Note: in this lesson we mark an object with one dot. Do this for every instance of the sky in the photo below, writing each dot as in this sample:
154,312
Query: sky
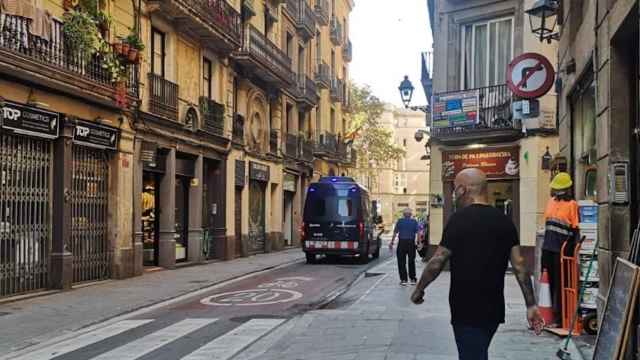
388,37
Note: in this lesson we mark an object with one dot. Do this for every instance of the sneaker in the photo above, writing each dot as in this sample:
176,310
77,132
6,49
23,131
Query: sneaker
403,283
413,281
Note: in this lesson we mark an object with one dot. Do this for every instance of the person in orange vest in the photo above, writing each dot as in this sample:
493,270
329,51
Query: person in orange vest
561,225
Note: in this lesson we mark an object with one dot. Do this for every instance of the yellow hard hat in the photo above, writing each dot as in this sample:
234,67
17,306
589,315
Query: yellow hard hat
562,181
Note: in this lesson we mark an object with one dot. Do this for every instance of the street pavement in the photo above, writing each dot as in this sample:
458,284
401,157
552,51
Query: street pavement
375,320
211,323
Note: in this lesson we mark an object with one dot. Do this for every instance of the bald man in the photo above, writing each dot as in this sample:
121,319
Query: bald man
478,240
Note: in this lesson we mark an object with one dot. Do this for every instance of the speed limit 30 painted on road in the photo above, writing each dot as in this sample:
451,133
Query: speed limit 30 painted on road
530,75
276,292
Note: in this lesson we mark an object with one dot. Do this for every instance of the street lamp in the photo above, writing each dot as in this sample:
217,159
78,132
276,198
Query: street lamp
543,17
406,93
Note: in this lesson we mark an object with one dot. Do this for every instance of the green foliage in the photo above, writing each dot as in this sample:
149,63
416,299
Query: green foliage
112,62
134,41
373,143
81,33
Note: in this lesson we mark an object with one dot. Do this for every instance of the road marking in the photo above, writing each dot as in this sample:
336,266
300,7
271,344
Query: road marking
252,297
156,340
231,343
84,340
366,293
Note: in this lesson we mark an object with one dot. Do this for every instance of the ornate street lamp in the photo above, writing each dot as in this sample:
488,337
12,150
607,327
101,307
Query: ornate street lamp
543,17
406,93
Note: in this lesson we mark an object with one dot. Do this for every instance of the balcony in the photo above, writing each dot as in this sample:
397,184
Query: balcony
307,150
347,51
303,16
322,12
248,8
52,64
304,91
163,97
327,145
291,146
494,122
336,32
337,90
212,116
238,129
323,75
352,158
214,22
273,142
264,59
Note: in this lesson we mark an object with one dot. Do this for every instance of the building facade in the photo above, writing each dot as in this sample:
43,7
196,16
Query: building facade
198,145
474,41
404,183
598,118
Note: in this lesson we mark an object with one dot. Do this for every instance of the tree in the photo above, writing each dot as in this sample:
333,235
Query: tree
373,143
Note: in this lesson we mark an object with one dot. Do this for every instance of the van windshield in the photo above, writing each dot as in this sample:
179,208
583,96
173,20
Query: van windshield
326,203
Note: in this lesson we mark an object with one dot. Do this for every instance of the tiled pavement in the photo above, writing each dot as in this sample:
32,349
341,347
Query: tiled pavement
383,324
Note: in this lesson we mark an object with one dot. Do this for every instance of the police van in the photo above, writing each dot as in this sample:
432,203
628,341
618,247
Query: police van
338,220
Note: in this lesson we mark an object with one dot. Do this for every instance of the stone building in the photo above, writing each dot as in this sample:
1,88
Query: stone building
598,117
474,41
404,183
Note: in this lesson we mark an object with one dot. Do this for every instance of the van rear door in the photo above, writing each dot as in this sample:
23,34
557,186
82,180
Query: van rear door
331,213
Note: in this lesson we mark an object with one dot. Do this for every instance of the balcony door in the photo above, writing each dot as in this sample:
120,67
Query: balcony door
486,50
158,53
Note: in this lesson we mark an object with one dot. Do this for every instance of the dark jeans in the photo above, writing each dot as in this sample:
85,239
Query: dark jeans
473,342
551,261
406,248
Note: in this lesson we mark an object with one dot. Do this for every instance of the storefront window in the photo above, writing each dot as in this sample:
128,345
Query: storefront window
583,116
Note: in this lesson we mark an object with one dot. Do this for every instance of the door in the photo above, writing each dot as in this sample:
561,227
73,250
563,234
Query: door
213,207
257,207
238,221
150,218
288,217
25,166
89,244
182,217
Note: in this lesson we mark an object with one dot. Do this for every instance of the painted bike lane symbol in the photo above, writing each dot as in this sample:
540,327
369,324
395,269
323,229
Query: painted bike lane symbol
270,293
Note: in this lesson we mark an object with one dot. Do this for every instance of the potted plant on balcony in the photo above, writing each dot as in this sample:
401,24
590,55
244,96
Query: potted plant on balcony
81,33
136,47
103,21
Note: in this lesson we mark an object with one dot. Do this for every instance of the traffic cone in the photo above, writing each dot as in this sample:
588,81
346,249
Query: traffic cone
544,298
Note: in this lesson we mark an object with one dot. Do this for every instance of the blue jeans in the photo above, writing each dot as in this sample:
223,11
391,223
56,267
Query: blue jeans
473,342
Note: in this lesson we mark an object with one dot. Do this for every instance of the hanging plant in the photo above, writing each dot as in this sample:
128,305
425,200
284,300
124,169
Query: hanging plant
134,41
104,21
81,33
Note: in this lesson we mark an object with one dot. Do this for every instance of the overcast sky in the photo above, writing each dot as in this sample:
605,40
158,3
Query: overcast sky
388,37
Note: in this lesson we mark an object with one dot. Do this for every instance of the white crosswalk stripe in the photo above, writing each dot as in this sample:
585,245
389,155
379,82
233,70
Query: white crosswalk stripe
83,340
229,344
156,340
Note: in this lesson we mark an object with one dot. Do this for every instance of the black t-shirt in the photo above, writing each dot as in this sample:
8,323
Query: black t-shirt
480,239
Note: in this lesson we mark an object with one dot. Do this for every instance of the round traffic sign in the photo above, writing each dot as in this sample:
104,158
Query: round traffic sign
530,75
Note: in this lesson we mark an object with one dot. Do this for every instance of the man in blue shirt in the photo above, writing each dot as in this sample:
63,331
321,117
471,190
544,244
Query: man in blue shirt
406,230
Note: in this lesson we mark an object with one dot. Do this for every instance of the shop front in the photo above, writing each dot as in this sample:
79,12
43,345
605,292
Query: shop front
289,187
258,180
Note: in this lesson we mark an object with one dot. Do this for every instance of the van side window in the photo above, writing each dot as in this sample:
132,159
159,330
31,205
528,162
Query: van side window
345,207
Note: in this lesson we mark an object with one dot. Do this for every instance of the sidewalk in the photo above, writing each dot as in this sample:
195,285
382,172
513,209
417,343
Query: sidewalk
383,324
29,322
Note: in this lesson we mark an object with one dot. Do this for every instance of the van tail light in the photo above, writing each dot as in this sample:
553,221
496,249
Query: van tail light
361,228
303,233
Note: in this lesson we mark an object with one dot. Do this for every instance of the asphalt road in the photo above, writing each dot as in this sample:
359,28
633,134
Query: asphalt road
212,325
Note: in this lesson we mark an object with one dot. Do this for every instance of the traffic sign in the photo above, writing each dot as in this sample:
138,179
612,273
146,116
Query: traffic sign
530,75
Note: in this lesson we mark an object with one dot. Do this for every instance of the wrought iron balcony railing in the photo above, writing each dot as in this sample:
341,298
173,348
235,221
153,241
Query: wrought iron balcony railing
238,129
336,31
307,150
347,51
212,116
303,15
337,90
323,75
53,58
291,146
327,144
219,14
495,117
274,64
273,142
163,97
322,12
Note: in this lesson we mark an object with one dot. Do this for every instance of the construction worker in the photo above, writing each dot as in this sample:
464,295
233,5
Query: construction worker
561,225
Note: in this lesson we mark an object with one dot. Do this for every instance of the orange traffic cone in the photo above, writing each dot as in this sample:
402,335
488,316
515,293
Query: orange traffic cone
544,298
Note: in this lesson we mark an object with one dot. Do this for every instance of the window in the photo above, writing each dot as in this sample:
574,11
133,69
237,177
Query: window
318,48
487,48
290,46
318,121
404,142
345,207
206,79
301,61
158,52
333,121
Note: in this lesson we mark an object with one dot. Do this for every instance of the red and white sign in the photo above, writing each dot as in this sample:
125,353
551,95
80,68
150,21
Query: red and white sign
530,75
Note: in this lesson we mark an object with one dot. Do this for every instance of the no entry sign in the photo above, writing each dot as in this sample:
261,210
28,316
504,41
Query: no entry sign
530,75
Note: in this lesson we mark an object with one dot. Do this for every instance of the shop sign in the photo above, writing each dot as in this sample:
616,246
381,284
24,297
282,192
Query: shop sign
240,173
149,154
258,172
289,183
95,135
497,163
27,120
455,109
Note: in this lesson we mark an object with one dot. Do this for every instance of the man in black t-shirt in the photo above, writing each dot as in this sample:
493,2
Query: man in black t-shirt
479,241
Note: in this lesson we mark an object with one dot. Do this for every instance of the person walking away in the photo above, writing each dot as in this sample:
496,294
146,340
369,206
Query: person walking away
406,230
421,244
478,241
561,225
